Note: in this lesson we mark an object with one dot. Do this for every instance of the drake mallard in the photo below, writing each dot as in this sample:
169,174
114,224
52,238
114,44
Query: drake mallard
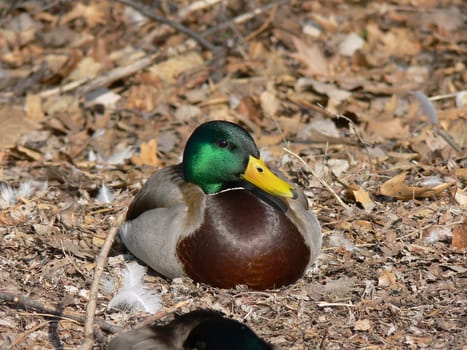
222,217
201,329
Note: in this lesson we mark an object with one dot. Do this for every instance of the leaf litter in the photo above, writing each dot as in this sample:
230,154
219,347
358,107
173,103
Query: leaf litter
370,99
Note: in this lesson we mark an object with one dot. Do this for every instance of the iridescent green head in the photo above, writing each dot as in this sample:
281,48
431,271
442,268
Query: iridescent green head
219,154
225,334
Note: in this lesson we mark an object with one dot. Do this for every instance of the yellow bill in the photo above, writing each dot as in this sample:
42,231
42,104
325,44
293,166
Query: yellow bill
262,177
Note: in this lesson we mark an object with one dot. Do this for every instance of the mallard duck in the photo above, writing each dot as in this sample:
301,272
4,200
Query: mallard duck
222,217
201,329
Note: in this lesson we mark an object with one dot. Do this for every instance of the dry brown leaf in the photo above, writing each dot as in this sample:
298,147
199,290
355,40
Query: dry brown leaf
34,107
387,278
142,97
362,325
94,13
148,155
14,124
461,198
21,28
98,241
336,95
363,197
87,68
312,57
249,109
30,153
269,103
459,236
397,42
396,188
387,129
62,65
169,70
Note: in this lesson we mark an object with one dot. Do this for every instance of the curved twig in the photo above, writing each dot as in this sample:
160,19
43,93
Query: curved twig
100,264
53,310
177,26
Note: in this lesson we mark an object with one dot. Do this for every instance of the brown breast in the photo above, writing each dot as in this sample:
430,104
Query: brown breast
244,240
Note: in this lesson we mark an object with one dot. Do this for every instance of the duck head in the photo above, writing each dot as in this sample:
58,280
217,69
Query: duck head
221,155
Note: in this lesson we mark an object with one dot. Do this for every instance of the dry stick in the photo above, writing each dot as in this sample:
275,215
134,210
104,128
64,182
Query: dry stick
321,180
51,309
119,73
243,17
264,26
100,264
181,15
110,77
177,26
29,331
449,140
325,304
62,89
165,312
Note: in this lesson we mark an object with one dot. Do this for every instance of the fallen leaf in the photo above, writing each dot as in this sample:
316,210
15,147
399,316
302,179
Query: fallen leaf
321,130
269,103
461,198
14,124
459,237
351,43
312,57
142,97
30,153
21,28
169,70
396,188
363,197
339,287
338,166
98,241
148,154
94,13
386,279
398,42
248,108
34,107
187,112
335,94
387,129
87,68
362,325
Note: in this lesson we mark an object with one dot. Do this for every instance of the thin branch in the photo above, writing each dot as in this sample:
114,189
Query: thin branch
321,180
165,312
100,264
119,73
29,331
62,89
264,26
449,140
52,309
107,79
325,304
443,97
243,17
177,26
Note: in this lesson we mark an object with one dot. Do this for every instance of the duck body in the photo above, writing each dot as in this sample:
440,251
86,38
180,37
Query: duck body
240,234
201,329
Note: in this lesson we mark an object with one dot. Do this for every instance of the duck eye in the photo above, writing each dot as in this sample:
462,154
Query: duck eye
222,143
